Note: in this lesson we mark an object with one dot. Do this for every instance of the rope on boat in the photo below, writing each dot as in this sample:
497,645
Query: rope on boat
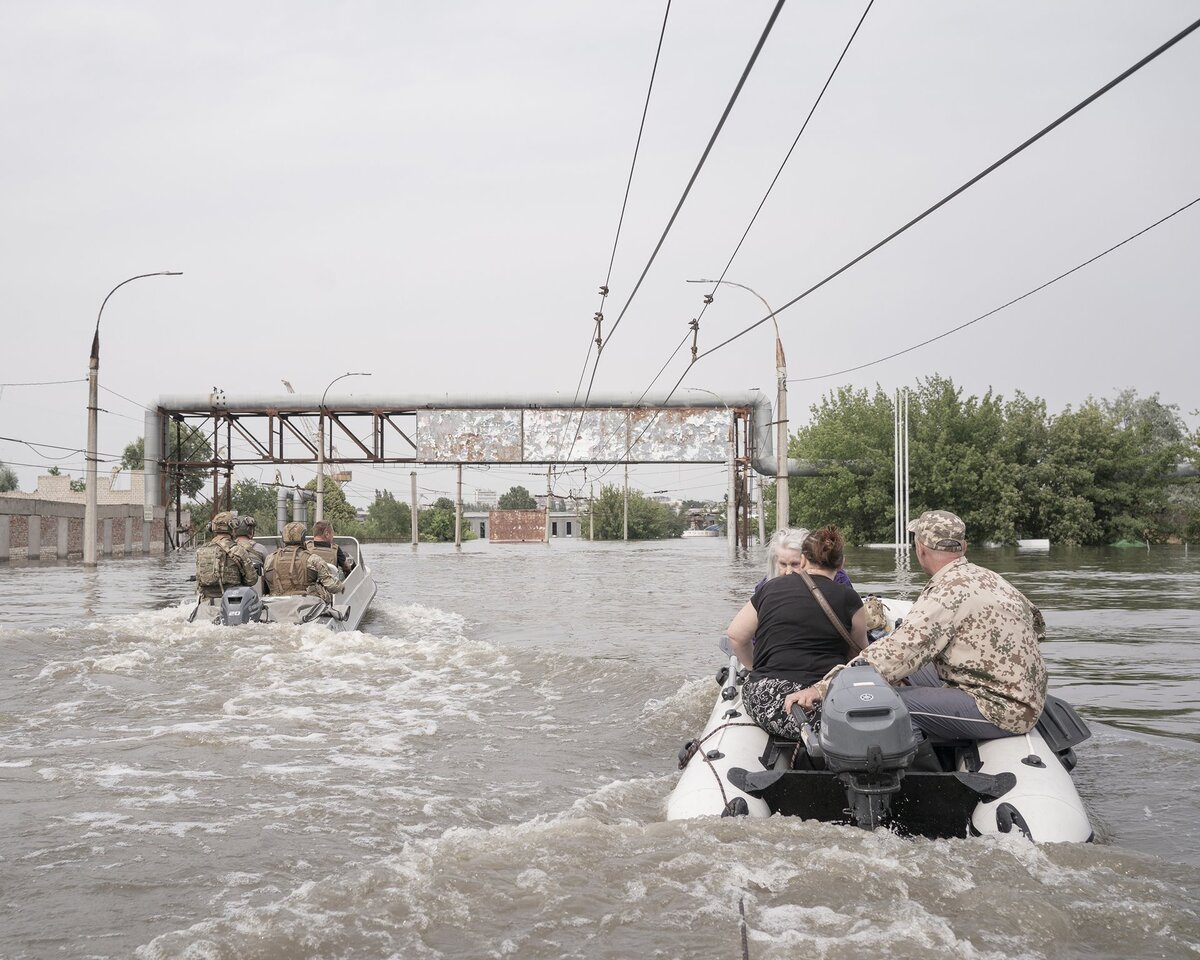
693,747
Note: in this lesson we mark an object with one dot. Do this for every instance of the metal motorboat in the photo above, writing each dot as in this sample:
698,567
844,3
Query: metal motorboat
244,605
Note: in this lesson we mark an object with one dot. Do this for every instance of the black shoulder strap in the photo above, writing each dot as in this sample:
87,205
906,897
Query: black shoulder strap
820,598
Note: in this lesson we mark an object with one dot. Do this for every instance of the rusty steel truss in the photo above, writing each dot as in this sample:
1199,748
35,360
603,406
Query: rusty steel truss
297,430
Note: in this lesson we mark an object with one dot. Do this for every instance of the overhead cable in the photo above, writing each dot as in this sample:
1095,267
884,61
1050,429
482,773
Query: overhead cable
804,126
694,325
679,206
1029,293
599,316
970,183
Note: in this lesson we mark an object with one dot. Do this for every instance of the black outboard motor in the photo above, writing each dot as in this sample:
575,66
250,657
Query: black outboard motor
240,605
867,739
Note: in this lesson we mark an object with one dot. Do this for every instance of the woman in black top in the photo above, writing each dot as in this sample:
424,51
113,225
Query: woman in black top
786,637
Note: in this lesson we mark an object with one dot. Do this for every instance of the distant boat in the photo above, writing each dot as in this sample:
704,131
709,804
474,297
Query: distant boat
245,605
713,531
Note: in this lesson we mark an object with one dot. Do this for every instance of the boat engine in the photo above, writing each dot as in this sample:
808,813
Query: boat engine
867,739
240,605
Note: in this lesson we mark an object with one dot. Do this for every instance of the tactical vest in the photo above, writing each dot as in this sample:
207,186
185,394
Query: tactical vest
287,571
216,569
328,554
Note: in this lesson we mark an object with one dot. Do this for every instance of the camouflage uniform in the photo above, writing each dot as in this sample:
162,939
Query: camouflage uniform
245,539
293,571
980,633
221,563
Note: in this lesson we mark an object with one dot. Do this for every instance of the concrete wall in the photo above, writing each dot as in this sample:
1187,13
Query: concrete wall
35,529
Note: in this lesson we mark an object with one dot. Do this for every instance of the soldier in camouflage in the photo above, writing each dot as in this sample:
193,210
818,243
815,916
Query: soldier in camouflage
979,633
221,563
245,539
294,571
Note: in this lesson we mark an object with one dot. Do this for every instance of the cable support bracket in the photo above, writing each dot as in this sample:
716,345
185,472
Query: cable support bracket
694,323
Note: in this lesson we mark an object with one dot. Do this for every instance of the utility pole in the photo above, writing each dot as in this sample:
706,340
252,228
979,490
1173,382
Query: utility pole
626,512
782,502
90,501
412,510
458,510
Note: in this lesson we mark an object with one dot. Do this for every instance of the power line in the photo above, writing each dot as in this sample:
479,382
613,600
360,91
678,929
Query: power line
41,383
599,317
33,445
125,398
970,183
778,173
1029,293
679,206
708,299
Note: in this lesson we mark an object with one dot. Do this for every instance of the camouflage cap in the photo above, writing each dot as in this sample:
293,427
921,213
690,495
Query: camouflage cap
223,522
246,525
294,532
940,530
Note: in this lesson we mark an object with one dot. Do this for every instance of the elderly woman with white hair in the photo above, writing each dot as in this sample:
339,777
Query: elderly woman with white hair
797,626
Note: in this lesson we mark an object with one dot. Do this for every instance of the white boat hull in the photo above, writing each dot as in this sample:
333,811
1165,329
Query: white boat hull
1038,797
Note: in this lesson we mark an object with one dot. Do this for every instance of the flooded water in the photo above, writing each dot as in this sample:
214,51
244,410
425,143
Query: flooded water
482,772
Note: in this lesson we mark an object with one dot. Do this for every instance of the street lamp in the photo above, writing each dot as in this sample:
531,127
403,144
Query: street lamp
89,507
782,502
320,511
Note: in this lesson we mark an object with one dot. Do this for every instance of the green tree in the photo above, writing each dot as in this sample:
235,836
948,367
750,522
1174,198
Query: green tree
517,498
444,503
336,509
134,455
8,478
436,525
252,499
185,443
851,435
388,518
648,519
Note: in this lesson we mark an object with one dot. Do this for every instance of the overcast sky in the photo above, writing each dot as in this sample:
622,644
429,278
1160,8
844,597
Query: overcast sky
430,192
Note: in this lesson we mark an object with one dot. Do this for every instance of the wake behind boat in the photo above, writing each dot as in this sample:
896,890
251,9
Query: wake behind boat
243,605
861,762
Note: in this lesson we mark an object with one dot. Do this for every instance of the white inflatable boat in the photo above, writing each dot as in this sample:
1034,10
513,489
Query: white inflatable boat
861,763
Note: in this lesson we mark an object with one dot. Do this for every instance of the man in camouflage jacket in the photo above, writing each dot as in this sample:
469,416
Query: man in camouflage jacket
221,563
293,571
977,630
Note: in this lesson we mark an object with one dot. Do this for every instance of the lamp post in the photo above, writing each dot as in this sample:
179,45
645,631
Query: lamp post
89,507
782,502
320,511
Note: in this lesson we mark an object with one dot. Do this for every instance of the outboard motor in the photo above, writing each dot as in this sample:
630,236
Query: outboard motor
240,605
867,739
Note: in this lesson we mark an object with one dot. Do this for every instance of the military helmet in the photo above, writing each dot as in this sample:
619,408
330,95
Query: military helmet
245,526
294,532
222,522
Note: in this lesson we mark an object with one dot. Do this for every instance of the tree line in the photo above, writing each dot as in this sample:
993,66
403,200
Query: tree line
1099,473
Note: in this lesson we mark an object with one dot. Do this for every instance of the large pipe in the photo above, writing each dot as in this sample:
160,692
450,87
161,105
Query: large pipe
280,509
263,403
